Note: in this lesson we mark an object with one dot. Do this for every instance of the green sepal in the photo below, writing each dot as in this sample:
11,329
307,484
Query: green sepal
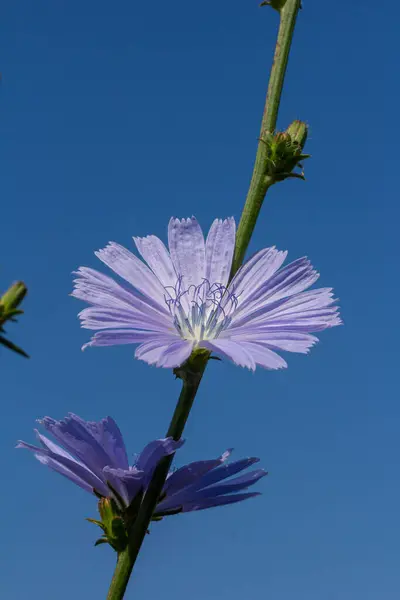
276,4
102,540
96,522
119,533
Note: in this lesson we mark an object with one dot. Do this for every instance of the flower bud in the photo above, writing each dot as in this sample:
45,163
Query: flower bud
285,151
12,298
112,524
298,132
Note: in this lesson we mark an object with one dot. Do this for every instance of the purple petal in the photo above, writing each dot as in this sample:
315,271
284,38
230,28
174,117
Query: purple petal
152,351
133,270
60,458
187,249
119,337
256,271
223,472
277,340
263,356
110,437
185,476
126,482
97,445
189,493
220,245
305,302
111,318
100,290
291,280
175,354
231,350
64,471
313,309
157,257
204,503
54,448
234,485
153,453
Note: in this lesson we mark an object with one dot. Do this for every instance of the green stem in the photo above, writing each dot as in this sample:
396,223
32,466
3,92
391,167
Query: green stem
260,184
127,558
192,374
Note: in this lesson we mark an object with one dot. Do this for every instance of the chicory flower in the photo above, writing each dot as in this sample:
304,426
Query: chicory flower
93,456
183,300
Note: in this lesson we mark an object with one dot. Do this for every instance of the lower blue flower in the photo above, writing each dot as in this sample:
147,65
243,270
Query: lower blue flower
93,456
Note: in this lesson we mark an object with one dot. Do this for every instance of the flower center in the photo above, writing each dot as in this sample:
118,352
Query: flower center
202,311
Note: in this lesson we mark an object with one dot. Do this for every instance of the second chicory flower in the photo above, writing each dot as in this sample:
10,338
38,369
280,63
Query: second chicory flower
184,300
93,456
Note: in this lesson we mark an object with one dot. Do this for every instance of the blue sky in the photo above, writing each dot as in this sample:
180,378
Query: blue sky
116,117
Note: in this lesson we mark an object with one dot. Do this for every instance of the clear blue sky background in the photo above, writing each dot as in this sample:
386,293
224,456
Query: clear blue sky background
116,116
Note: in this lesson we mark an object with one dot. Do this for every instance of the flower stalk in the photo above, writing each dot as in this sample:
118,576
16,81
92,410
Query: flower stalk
192,371
260,182
191,375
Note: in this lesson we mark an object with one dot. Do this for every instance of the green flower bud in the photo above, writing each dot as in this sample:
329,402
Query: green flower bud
285,151
298,132
12,298
112,524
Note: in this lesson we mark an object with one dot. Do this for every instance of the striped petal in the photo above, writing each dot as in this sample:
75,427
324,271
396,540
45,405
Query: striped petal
220,245
157,257
186,245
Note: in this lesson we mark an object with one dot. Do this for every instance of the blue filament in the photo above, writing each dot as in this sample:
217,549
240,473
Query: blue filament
201,311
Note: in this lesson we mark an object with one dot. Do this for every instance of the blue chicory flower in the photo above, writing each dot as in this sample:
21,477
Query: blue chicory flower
183,299
93,456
